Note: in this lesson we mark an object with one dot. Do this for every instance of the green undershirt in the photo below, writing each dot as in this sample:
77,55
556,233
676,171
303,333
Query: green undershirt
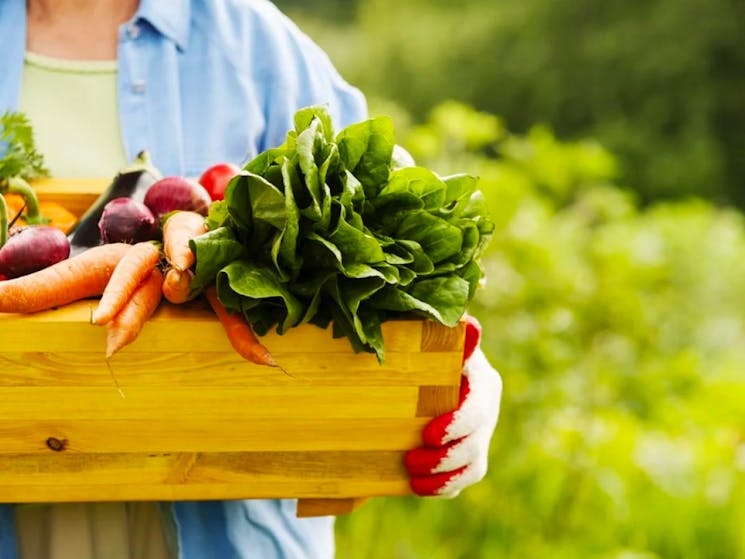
72,106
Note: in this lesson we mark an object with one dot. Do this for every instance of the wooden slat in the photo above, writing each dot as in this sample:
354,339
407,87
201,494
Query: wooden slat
438,337
211,435
200,403
68,328
180,468
75,477
225,369
436,400
76,195
299,488
324,507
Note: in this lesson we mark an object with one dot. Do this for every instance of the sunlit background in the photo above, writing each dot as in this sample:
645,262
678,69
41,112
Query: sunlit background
610,141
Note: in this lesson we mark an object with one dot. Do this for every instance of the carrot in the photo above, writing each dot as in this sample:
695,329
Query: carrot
239,332
176,286
124,328
177,231
133,268
81,276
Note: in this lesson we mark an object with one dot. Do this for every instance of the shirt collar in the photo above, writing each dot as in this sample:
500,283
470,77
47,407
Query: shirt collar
171,18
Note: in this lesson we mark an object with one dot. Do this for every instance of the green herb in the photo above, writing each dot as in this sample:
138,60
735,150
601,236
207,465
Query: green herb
325,229
20,161
20,157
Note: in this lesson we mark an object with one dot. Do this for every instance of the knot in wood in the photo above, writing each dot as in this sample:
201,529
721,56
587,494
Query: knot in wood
56,444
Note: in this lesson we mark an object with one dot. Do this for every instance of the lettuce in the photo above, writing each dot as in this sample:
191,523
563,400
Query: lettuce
327,229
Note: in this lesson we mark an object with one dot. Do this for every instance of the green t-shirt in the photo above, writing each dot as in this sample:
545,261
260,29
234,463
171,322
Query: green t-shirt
72,105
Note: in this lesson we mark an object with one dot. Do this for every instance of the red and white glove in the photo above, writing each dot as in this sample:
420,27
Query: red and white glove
456,444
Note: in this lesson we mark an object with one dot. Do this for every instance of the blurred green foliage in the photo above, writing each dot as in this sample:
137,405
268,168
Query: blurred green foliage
660,82
619,331
615,300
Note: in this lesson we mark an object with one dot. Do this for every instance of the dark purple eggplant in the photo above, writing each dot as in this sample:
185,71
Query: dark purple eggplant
131,182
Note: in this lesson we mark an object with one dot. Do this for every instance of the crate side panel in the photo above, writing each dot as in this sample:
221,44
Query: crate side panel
74,194
211,435
28,404
174,329
215,369
201,468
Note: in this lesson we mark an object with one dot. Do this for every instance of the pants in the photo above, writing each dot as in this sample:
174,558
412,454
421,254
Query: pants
90,531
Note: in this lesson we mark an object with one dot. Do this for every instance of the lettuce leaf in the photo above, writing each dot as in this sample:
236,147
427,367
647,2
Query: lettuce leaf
326,229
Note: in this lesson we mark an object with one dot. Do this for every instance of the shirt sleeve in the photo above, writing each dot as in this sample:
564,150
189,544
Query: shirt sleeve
300,74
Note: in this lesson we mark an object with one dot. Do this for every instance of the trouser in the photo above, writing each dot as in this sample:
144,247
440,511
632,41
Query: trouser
90,531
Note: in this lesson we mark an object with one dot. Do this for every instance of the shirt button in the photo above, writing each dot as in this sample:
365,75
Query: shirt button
138,87
133,31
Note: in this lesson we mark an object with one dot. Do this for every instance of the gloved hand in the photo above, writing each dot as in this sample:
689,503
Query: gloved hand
456,444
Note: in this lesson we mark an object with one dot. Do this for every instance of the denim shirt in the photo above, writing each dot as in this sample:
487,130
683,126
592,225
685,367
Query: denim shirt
203,81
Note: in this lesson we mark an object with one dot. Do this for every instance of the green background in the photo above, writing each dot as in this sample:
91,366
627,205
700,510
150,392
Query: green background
609,140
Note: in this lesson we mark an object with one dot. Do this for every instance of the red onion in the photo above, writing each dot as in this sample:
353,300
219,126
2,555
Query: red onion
30,249
127,221
177,193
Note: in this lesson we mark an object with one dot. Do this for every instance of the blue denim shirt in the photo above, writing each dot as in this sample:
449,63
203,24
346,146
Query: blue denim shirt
202,81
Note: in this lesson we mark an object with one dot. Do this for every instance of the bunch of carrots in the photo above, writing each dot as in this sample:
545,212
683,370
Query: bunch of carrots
131,281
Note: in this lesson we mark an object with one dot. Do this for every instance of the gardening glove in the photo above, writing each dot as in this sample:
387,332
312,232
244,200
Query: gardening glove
456,444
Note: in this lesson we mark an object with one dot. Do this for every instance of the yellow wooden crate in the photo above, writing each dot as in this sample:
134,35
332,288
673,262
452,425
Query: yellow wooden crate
178,415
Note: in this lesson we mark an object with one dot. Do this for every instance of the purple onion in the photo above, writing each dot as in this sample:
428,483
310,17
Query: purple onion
127,221
177,193
30,249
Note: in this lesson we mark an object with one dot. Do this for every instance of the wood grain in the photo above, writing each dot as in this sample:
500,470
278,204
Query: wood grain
75,477
323,507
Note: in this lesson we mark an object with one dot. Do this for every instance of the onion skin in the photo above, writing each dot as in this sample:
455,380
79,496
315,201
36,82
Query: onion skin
177,193
127,221
30,249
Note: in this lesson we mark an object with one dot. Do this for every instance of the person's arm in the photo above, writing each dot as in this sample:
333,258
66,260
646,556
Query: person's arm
455,450
300,74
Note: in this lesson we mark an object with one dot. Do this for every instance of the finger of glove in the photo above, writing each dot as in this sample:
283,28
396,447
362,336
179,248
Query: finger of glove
472,338
424,460
452,456
449,484
427,486
479,406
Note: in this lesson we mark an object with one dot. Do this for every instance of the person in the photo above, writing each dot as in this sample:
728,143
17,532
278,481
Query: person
194,82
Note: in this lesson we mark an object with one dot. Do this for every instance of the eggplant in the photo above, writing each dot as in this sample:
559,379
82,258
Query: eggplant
131,182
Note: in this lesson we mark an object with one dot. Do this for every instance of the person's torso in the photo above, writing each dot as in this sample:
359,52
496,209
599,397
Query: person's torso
200,82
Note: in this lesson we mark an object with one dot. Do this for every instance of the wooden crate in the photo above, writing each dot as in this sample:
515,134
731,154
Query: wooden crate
178,415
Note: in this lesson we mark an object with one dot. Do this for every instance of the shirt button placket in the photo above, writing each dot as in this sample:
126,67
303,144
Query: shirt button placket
133,31
138,87
134,125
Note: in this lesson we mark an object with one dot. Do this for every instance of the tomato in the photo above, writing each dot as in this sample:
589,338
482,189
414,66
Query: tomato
215,179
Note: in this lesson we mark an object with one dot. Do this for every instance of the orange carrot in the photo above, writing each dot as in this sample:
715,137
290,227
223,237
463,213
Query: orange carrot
176,286
239,332
133,268
124,328
177,230
78,277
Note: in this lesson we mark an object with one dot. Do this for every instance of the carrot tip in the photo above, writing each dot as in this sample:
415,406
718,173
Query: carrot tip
116,382
281,368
